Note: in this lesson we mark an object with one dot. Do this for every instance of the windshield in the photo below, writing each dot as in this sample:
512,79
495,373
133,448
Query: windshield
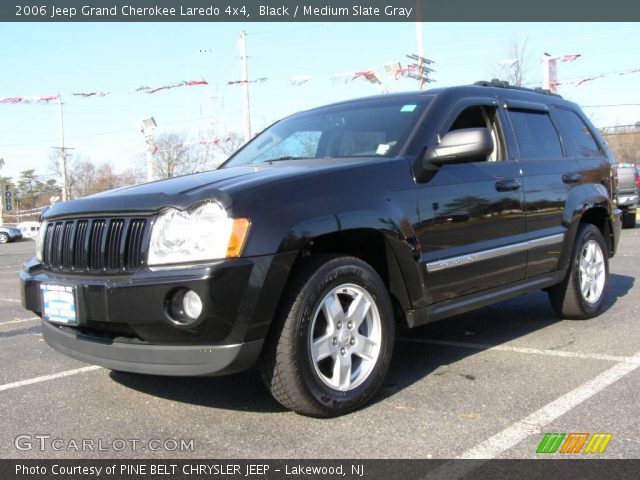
371,128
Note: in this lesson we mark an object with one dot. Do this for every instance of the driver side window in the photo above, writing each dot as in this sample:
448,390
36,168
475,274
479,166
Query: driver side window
482,117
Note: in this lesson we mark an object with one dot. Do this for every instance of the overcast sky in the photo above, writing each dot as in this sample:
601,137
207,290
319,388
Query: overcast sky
51,59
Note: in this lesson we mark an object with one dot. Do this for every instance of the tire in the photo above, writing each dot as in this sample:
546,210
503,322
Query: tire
589,267
4,238
628,219
325,304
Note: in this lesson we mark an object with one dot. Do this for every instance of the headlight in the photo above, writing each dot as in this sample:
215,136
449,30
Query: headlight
40,242
204,233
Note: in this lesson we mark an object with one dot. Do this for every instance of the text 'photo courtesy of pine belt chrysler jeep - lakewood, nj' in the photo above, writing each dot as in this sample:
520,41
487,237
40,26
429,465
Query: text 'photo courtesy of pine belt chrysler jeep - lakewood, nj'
307,249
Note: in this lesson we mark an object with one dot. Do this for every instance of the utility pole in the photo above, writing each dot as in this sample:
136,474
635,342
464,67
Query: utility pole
419,39
245,86
62,153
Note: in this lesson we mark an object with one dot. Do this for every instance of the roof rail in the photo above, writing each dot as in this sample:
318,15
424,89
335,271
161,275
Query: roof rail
504,84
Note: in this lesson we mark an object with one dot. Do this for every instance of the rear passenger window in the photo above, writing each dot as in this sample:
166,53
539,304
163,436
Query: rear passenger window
536,135
584,145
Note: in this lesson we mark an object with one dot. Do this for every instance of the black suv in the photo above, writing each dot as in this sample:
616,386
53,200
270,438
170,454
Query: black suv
304,248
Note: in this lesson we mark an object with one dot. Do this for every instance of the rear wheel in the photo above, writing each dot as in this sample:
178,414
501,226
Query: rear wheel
4,238
583,292
628,219
330,349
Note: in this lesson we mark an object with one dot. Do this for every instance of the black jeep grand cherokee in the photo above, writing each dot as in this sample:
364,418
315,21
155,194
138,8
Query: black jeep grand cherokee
303,249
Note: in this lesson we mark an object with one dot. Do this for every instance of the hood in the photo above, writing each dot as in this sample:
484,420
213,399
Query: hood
182,192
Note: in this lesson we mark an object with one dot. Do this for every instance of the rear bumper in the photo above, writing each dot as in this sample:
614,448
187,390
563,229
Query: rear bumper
188,360
627,201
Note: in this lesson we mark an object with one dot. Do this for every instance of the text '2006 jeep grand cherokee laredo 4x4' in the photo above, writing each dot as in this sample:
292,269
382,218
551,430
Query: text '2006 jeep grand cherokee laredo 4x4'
303,248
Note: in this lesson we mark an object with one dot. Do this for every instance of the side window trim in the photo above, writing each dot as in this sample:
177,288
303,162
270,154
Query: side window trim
460,106
510,104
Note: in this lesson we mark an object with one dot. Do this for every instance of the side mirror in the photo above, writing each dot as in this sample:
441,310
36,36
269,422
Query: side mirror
459,146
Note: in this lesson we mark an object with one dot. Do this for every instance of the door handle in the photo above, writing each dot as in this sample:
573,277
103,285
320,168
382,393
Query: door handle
508,185
571,178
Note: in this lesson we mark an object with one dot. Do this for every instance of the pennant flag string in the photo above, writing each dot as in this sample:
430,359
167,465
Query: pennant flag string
90,94
183,83
32,100
240,82
298,80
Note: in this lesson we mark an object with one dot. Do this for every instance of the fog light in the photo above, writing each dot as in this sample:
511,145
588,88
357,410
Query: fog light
192,304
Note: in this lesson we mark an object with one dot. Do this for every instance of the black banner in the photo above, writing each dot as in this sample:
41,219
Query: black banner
316,10
318,469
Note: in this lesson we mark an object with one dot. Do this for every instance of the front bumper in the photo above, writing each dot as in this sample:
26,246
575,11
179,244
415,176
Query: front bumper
152,359
124,323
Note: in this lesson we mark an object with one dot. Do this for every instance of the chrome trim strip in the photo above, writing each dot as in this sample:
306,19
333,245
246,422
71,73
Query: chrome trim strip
494,253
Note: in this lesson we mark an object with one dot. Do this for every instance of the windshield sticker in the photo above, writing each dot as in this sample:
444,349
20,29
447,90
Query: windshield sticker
382,149
408,108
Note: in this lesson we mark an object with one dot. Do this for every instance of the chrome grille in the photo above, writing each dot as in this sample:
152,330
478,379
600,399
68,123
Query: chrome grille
106,245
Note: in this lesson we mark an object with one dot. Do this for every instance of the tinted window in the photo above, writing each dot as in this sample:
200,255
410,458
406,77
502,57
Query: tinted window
536,135
584,145
355,129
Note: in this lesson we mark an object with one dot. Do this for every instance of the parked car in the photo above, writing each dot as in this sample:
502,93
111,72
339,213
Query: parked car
627,194
9,234
304,249
29,229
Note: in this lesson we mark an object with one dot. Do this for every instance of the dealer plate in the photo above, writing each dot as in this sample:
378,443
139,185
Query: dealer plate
59,303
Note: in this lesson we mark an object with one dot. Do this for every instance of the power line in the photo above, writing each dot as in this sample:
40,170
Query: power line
612,105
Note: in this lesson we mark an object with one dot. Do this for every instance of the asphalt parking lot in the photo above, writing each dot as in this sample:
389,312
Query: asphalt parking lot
486,384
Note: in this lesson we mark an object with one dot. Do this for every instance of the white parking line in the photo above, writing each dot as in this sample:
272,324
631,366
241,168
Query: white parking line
535,351
534,423
22,320
517,432
46,378
11,300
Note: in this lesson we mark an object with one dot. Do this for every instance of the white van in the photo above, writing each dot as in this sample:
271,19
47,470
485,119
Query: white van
29,229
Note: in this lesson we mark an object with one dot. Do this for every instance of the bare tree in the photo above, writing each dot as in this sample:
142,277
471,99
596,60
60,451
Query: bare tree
625,143
85,174
173,156
55,169
516,67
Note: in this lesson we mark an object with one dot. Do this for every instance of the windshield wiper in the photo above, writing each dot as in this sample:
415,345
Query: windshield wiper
288,157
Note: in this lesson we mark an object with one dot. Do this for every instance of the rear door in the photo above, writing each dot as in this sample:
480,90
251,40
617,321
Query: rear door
548,174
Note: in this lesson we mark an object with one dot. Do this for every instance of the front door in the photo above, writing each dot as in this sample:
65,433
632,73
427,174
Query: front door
472,222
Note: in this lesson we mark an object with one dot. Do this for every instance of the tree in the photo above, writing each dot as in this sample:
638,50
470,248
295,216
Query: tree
625,143
516,67
30,187
213,152
85,172
55,168
174,157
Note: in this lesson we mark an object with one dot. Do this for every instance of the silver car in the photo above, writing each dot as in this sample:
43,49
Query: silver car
9,234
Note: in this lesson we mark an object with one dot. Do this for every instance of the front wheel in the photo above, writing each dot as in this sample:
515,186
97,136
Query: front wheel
331,345
4,238
582,293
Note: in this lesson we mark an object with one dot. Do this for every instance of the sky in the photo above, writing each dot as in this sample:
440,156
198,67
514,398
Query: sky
50,59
